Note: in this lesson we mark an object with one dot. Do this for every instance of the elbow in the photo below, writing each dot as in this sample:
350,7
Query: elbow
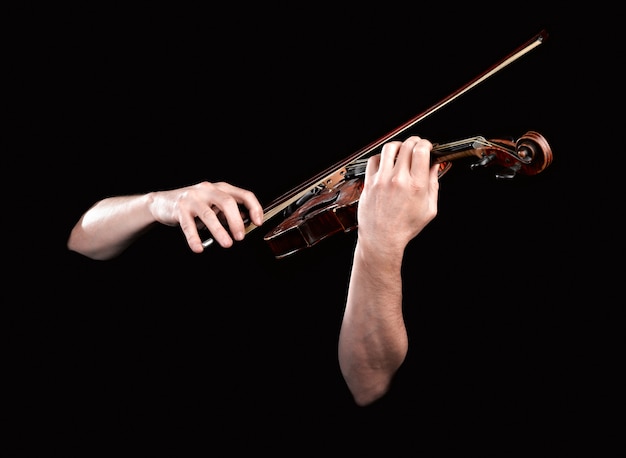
89,252
367,390
366,397
73,246
80,242
367,384
77,242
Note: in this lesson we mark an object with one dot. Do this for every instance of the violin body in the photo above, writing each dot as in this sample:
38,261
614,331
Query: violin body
328,213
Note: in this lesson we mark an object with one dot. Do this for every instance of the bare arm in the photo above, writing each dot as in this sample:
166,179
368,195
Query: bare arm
111,225
398,200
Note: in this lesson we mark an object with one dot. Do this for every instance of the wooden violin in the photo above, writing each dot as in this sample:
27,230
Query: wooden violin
331,210
327,204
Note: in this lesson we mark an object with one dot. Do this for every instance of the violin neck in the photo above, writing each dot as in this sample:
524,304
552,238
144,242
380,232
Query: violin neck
440,153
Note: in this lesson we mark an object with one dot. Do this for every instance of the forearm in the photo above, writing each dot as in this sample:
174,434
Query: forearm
373,341
110,226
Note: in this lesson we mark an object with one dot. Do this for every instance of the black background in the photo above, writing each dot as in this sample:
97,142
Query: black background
513,313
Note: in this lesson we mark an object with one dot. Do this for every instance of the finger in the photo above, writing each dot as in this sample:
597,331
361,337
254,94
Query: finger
246,198
230,217
373,164
434,179
404,157
420,160
190,227
388,156
252,205
212,222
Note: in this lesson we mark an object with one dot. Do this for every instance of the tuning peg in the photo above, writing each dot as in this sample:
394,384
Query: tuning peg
483,162
509,172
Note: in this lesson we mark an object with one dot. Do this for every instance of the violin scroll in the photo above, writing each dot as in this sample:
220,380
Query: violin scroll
529,155
533,152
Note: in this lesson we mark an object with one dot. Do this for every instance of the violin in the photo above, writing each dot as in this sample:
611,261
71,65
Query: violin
327,204
331,210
